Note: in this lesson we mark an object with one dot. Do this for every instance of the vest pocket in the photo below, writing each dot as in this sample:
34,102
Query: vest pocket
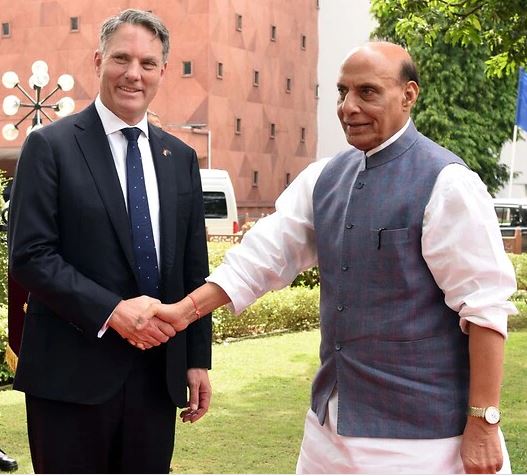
383,237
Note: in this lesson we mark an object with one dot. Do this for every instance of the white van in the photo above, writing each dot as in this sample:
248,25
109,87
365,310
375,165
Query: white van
221,212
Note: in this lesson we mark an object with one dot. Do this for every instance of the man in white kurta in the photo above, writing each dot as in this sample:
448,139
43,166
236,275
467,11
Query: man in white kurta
461,245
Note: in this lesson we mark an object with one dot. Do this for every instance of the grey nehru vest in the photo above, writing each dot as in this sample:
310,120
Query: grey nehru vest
390,345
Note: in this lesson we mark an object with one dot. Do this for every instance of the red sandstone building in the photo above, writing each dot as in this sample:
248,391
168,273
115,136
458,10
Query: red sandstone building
244,70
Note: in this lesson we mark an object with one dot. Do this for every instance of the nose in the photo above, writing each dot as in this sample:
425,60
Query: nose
133,71
350,104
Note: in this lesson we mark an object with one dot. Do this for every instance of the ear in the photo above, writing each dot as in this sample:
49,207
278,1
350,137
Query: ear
97,61
410,94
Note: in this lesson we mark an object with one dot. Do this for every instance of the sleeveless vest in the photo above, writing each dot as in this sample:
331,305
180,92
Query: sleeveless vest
390,344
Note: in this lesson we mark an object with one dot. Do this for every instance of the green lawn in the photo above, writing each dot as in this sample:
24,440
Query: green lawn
261,394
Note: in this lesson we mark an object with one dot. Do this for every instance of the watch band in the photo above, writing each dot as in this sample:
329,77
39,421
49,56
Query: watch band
490,414
476,412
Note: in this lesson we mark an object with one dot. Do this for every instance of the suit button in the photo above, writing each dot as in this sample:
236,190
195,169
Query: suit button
349,226
344,267
338,347
340,307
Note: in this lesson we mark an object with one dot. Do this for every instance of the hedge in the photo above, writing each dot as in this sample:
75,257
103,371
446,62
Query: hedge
293,308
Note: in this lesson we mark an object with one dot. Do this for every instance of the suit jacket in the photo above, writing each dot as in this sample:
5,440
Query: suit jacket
70,246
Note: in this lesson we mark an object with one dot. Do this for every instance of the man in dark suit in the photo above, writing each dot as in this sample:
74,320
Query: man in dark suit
96,401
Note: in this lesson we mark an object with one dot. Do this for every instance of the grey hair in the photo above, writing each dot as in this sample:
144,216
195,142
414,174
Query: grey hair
135,17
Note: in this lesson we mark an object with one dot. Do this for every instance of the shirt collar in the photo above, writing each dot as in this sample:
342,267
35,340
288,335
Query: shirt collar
111,123
391,140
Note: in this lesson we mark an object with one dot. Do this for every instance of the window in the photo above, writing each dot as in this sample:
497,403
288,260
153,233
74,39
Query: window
239,22
302,134
272,132
6,30
288,85
255,178
74,23
238,126
318,4
273,32
215,204
317,87
303,41
287,179
256,78
187,68
219,70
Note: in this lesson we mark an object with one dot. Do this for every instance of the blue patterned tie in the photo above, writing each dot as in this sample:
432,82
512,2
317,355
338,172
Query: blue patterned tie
139,213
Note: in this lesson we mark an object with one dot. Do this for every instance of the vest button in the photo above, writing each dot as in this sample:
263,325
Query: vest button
349,226
338,347
340,308
360,185
344,267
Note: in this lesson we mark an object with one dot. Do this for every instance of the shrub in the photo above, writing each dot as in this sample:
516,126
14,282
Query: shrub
291,309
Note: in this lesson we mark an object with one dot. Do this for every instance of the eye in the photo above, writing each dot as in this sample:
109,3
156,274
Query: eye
120,59
367,92
342,93
149,65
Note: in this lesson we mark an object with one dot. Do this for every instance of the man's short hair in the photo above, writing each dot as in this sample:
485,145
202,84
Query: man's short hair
135,17
409,72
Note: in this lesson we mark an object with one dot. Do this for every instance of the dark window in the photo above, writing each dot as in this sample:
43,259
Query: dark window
317,87
187,68
74,23
6,29
215,205
239,22
256,78
273,130
238,126
219,70
302,134
255,178
303,41
288,83
273,32
287,179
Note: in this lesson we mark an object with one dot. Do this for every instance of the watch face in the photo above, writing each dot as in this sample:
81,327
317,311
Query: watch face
492,415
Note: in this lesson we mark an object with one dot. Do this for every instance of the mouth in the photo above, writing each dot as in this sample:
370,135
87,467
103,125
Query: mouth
128,90
355,127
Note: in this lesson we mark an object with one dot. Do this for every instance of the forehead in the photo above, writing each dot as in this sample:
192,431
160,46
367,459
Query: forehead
369,66
134,35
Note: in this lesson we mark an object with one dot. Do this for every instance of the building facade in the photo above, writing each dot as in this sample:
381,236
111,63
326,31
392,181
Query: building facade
241,84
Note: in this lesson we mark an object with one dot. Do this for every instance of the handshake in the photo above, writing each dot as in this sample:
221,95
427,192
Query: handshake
145,322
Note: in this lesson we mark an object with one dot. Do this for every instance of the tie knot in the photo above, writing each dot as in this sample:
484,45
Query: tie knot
131,133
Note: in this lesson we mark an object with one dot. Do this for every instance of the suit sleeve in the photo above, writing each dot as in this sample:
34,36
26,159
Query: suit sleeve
34,237
199,334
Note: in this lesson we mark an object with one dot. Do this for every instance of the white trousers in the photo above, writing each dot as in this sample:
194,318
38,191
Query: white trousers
323,451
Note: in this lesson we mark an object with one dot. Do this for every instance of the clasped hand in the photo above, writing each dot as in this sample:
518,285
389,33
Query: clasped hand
145,323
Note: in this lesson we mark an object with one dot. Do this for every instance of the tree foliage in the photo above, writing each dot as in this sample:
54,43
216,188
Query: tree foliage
498,25
459,106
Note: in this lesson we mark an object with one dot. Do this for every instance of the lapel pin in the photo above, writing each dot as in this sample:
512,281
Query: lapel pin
166,153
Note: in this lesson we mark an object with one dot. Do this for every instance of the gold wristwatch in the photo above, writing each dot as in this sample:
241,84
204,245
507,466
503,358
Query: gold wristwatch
491,415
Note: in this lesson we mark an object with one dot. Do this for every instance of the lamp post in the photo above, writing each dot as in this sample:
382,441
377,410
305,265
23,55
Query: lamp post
37,104
199,128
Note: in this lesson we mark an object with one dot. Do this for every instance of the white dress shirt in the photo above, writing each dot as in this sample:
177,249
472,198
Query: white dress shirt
118,144
462,246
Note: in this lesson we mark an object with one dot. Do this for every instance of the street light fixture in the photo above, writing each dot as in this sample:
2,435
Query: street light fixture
38,80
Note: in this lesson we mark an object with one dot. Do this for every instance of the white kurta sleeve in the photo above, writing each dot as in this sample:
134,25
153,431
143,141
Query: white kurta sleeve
462,246
276,249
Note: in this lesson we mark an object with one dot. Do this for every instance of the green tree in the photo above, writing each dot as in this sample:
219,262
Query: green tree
459,106
500,26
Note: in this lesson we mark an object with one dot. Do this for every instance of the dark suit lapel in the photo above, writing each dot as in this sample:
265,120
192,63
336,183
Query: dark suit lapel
166,183
94,145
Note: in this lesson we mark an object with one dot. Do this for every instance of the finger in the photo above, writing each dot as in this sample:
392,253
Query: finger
165,328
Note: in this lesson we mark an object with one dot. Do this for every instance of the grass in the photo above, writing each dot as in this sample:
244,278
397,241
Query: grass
261,394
